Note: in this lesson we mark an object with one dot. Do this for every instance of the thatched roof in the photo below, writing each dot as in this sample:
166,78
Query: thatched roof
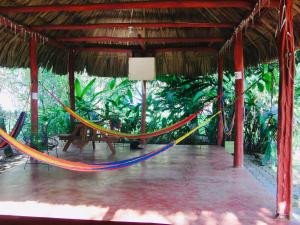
259,38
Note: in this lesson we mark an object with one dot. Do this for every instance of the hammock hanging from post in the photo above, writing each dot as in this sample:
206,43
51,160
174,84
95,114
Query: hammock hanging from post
85,167
127,135
16,130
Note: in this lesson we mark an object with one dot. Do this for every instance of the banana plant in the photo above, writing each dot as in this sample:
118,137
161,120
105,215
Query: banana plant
86,99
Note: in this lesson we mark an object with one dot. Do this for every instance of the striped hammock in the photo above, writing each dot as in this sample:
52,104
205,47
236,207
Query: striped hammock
16,130
85,167
127,135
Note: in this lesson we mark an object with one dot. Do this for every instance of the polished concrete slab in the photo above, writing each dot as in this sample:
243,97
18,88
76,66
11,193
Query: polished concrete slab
186,185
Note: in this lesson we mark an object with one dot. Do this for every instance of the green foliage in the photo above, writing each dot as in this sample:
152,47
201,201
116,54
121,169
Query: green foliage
116,102
260,123
174,98
86,99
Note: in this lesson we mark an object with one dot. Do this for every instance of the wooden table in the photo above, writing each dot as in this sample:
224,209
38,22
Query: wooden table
84,133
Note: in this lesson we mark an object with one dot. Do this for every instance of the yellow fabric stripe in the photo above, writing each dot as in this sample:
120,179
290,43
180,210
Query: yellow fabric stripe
77,166
93,125
41,156
105,130
121,134
196,128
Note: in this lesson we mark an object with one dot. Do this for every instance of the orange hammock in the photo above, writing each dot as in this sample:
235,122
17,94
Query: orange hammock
127,135
16,130
84,167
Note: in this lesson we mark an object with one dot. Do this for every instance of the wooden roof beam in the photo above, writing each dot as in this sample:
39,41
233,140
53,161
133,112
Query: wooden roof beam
133,25
187,49
139,40
104,49
130,5
246,22
155,50
25,31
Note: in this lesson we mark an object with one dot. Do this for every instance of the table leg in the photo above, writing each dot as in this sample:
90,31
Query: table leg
69,142
67,145
111,147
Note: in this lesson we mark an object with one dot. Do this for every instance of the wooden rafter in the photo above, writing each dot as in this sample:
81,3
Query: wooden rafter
21,29
104,49
129,25
187,49
155,50
139,40
246,22
128,5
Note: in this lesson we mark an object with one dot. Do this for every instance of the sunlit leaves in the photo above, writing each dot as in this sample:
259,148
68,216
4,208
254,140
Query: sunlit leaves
260,86
87,88
77,88
130,96
112,83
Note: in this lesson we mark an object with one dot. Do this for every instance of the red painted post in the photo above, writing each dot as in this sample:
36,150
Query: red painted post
71,59
239,104
34,91
144,107
286,58
220,138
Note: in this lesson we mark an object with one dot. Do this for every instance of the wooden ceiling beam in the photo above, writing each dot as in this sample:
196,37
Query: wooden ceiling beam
155,50
28,32
246,22
139,40
131,25
187,49
130,5
104,49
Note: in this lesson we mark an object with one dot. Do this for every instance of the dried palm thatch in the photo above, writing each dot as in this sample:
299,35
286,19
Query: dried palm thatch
259,38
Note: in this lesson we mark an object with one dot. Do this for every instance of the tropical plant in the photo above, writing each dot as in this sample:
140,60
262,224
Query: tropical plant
86,99
170,98
260,122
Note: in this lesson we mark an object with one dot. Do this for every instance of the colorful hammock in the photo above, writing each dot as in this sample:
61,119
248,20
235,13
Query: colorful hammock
85,167
127,135
16,130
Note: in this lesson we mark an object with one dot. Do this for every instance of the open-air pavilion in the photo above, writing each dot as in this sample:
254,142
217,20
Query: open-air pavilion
189,38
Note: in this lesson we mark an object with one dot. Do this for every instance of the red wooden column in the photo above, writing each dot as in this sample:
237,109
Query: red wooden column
239,104
144,107
71,58
34,90
285,108
220,138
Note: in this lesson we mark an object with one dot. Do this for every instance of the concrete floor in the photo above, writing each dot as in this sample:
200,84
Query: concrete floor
186,185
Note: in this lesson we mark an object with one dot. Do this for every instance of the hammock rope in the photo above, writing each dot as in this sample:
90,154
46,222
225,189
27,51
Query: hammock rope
16,129
128,135
228,130
85,167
